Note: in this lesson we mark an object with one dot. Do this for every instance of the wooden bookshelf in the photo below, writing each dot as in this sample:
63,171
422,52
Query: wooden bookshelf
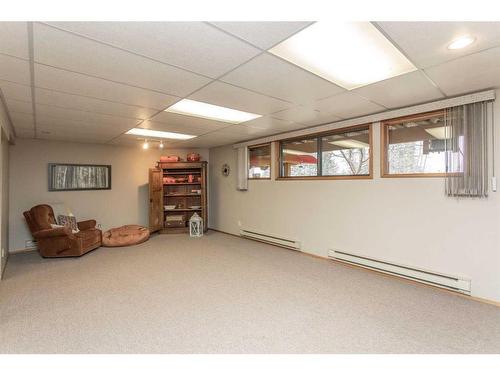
183,185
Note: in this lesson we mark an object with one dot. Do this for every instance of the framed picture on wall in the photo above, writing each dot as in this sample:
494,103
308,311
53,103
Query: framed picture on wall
66,177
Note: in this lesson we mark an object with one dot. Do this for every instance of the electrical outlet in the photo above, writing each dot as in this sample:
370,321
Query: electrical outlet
30,244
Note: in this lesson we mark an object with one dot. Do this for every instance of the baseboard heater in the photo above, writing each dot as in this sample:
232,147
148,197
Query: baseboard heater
455,283
271,239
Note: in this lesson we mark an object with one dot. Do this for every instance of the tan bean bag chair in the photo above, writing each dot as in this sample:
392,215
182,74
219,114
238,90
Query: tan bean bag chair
125,236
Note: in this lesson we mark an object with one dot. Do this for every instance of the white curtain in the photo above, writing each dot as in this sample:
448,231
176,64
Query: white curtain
242,168
466,145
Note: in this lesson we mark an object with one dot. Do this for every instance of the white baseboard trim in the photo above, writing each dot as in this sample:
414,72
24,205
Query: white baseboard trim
19,251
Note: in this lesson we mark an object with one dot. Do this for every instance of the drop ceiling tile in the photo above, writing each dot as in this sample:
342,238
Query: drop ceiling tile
269,122
213,140
426,43
407,89
14,40
68,128
225,95
25,133
22,120
76,124
80,84
19,106
347,105
248,131
469,73
83,103
69,137
305,115
61,49
137,141
82,116
15,91
177,128
262,34
14,69
298,114
323,118
272,76
177,120
195,46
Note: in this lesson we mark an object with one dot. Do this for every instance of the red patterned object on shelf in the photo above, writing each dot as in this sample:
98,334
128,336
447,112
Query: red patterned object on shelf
193,157
170,159
169,180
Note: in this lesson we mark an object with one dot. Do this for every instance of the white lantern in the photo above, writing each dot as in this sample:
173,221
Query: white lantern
196,226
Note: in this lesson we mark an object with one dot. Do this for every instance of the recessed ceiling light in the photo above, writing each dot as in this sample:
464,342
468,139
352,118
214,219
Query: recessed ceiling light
461,42
158,134
211,112
145,145
349,54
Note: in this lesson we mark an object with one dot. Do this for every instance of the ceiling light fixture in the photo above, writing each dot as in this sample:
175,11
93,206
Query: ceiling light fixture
145,145
161,145
349,54
350,143
158,134
211,112
461,42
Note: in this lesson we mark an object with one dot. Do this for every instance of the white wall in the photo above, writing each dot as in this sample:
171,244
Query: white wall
125,203
6,136
404,220
4,200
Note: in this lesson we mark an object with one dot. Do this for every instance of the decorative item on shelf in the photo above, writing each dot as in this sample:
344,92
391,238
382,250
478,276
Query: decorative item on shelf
196,191
169,207
190,178
195,207
180,180
195,226
170,159
175,221
193,157
169,180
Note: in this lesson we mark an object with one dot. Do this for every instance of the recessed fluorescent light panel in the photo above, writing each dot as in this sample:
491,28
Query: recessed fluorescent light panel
158,134
461,42
349,143
349,54
211,112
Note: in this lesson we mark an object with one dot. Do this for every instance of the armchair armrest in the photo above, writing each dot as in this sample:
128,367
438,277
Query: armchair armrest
86,224
54,232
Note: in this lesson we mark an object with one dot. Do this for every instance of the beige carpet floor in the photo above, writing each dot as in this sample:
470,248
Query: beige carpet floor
223,294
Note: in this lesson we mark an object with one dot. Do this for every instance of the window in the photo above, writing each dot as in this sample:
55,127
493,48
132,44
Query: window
259,162
299,158
414,146
343,153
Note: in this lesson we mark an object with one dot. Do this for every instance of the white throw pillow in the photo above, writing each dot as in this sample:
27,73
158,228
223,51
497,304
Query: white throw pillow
62,226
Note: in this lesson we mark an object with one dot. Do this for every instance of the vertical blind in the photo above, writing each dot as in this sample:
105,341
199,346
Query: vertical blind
466,149
242,169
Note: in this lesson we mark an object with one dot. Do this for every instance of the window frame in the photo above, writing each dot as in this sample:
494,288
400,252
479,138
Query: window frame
318,136
270,161
384,145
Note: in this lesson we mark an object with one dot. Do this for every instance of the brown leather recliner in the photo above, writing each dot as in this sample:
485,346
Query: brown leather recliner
61,242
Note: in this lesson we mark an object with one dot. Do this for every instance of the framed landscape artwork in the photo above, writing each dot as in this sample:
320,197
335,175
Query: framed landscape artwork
66,177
